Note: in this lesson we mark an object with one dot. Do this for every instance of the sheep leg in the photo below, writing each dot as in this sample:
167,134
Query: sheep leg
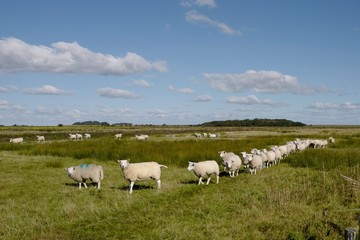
98,185
207,182
85,185
200,182
158,183
131,187
217,179
79,185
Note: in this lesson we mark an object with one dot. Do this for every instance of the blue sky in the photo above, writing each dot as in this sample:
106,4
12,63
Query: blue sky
179,61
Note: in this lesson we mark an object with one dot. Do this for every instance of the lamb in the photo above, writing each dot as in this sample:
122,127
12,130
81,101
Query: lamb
205,169
84,172
118,135
231,161
40,139
19,140
141,172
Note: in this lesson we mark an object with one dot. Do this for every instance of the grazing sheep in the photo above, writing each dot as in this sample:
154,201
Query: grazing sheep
84,172
141,171
19,140
231,161
142,137
40,139
118,136
205,169
87,135
331,140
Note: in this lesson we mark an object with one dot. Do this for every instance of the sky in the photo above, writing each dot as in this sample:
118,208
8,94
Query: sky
179,61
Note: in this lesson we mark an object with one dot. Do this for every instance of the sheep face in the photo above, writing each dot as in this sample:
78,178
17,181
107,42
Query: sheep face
222,153
191,166
70,171
123,163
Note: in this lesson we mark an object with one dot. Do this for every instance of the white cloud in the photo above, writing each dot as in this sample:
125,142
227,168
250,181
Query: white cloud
258,81
116,93
4,104
194,17
249,100
199,3
45,90
204,98
62,57
181,90
334,106
3,90
142,83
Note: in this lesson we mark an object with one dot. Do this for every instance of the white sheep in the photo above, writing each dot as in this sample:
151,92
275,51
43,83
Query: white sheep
142,137
118,136
253,162
87,135
205,169
270,157
72,136
79,136
40,138
141,171
231,161
198,135
331,140
84,172
19,140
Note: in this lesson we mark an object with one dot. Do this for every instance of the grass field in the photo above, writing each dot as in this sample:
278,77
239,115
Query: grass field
303,197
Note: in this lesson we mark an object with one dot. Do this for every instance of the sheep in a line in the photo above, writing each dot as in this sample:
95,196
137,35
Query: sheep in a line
18,140
40,138
142,137
231,162
72,136
331,140
118,136
205,169
198,135
79,136
214,135
87,136
84,172
271,158
253,162
141,172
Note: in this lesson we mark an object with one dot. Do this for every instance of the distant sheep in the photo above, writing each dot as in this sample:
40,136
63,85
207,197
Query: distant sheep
19,140
198,135
72,136
40,139
141,172
331,140
205,169
118,136
84,172
142,137
87,136
79,136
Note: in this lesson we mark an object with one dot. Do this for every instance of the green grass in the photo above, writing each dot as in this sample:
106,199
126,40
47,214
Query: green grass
304,197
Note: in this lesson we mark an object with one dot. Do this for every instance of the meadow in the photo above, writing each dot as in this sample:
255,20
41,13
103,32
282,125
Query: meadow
303,197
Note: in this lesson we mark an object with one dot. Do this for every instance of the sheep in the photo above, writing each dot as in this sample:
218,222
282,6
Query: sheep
142,137
198,135
79,136
331,140
141,172
270,157
84,172
72,136
87,135
253,162
118,135
205,169
17,140
40,138
231,161
214,135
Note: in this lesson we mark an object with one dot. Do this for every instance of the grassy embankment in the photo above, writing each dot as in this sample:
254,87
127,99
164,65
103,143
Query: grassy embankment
304,197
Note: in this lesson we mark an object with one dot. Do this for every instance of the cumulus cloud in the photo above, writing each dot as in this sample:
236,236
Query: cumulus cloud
194,17
45,90
334,106
63,57
142,83
116,93
199,3
180,90
258,81
249,100
204,98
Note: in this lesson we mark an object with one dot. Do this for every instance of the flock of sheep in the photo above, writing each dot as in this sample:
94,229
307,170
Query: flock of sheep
256,160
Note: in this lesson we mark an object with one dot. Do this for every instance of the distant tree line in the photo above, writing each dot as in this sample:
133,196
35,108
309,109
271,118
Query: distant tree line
97,123
254,123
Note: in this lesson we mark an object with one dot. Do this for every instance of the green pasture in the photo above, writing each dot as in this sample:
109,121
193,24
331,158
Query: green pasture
303,197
